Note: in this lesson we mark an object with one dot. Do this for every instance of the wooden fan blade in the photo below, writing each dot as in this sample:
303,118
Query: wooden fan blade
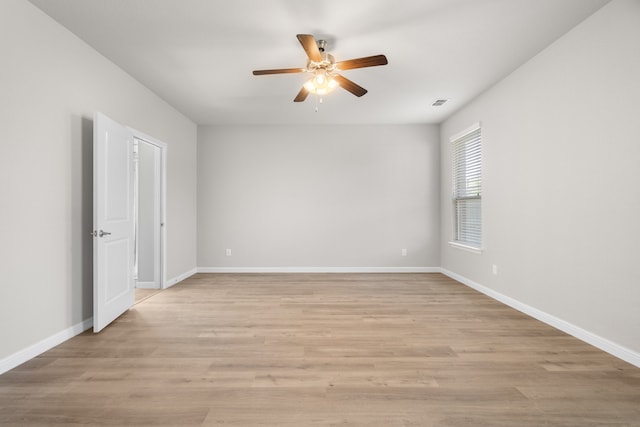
350,86
310,46
368,61
278,71
302,95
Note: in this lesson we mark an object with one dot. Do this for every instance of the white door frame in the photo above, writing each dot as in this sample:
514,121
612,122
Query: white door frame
163,192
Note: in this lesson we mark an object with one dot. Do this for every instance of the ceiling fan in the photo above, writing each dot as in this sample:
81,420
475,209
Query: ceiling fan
325,69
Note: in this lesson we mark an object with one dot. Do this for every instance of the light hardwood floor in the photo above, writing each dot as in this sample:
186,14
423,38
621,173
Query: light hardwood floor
323,350
142,294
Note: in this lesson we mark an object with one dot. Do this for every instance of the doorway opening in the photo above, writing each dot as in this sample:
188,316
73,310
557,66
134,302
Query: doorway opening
149,206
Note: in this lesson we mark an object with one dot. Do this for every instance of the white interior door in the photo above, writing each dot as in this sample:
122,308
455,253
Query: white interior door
113,221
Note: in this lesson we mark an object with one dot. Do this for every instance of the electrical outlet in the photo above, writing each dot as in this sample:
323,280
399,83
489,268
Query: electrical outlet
228,252
404,252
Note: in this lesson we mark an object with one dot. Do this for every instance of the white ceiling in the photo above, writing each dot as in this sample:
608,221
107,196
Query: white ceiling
198,54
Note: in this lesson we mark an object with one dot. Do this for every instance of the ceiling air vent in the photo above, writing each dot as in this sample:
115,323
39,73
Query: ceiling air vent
439,102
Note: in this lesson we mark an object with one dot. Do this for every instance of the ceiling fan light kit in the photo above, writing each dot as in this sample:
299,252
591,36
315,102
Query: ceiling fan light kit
322,83
325,69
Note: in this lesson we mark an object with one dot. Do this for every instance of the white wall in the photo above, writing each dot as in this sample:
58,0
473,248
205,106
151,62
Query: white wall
318,196
50,85
561,203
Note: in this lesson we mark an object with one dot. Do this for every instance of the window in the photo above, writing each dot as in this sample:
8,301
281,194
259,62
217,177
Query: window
467,187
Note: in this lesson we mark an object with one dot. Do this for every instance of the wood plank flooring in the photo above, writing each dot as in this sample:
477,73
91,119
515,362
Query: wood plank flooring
322,350
142,294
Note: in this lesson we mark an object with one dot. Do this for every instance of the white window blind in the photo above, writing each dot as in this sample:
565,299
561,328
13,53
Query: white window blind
467,187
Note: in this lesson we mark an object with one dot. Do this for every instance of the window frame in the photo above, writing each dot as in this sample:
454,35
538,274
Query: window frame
471,137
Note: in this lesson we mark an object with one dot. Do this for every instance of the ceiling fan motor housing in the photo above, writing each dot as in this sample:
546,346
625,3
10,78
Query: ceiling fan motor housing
328,63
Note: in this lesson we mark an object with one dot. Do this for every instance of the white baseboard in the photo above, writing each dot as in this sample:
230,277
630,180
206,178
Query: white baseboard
595,340
318,269
180,277
38,348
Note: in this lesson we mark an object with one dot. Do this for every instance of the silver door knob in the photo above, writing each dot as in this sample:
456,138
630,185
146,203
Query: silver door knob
103,233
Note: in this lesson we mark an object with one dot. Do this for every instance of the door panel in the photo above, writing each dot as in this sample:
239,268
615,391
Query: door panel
113,242
117,182
116,264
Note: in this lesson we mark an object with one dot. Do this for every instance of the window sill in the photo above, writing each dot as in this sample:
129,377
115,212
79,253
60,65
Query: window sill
467,248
